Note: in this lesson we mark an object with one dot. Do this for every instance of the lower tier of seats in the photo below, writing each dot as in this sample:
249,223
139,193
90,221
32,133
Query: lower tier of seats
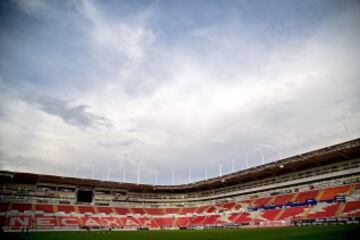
54,220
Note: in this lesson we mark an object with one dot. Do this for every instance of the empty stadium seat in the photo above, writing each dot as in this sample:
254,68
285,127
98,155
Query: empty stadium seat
138,211
130,221
331,193
308,195
155,211
210,209
21,207
165,222
48,208
271,214
172,210
352,209
212,220
229,206
201,209
182,221
121,211
66,208
323,211
259,202
86,209
243,218
197,221
106,210
291,213
188,210
282,199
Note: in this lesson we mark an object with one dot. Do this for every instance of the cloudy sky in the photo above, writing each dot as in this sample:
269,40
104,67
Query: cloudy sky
93,87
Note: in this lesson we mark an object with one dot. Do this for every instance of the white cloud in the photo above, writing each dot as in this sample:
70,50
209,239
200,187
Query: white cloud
31,7
217,95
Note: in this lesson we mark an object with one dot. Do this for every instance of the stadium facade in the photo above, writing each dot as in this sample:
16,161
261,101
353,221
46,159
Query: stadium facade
316,187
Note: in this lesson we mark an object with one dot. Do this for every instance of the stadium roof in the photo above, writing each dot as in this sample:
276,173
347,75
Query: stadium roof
335,153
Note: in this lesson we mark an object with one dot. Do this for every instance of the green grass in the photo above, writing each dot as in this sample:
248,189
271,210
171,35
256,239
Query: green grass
294,233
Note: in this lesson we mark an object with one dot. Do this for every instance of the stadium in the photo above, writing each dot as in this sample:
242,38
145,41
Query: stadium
179,119
284,193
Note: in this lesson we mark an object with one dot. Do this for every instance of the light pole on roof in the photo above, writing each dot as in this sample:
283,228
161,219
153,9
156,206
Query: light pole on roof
247,160
108,173
124,174
93,172
156,177
189,175
138,176
173,177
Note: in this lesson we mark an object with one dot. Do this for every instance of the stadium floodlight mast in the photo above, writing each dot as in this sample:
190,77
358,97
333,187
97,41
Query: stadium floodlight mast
220,170
108,173
124,174
247,160
138,176
189,175
298,145
93,172
173,176
262,155
347,132
75,170
233,165
156,177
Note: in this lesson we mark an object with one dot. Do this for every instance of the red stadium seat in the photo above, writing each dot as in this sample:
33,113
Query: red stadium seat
21,207
121,211
271,214
130,221
172,210
291,213
243,218
282,199
308,195
229,206
146,222
48,208
210,209
197,221
188,210
323,212
212,220
202,209
165,222
331,193
155,211
138,211
106,210
259,202
86,209
66,208
182,221
352,209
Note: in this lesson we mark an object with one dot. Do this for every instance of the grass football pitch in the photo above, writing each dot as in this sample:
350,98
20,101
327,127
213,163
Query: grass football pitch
337,232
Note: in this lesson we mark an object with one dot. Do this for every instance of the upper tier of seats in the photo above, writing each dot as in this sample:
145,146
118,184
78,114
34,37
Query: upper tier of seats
331,193
279,200
308,195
